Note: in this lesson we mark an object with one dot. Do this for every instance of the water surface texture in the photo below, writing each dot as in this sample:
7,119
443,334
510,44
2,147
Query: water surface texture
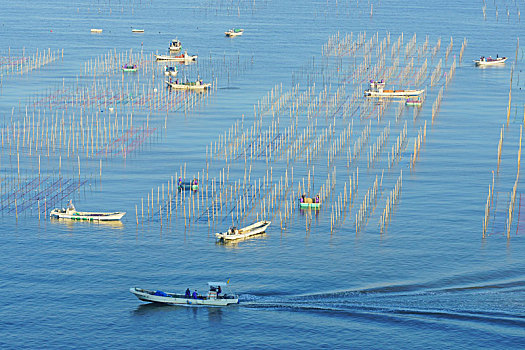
286,115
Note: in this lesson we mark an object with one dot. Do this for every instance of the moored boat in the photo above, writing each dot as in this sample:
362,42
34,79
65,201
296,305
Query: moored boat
129,67
179,58
191,85
488,61
306,202
213,298
377,89
413,101
96,30
234,32
192,185
175,45
71,213
233,233
170,70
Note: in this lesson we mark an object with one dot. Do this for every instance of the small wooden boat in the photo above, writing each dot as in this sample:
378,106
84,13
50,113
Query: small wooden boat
413,101
233,233
170,70
94,30
234,32
194,85
305,202
137,30
192,185
84,215
129,67
179,58
213,298
377,89
489,61
175,45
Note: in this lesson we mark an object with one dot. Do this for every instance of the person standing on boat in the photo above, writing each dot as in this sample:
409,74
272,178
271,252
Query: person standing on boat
70,206
188,293
194,295
218,291
317,199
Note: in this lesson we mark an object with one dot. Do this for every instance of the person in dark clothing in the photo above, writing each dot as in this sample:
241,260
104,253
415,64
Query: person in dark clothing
194,295
219,290
188,293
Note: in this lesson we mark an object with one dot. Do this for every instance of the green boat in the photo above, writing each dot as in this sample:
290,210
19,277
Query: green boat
309,205
128,67
184,186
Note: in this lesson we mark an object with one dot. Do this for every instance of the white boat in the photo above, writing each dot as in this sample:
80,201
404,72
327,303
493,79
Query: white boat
489,61
377,88
213,298
170,70
175,45
194,85
234,32
179,58
137,30
71,213
96,30
233,233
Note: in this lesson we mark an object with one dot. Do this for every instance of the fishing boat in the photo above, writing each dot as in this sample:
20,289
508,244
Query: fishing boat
191,85
94,30
213,298
192,185
129,67
234,32
233,233
179,58
137,30
175,45
72,214
170,70
413,101
305,202
377,89
489,61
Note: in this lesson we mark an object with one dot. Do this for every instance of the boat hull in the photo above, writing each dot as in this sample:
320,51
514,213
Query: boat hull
310,205
85,216
398,93
491,62
175,299
255,229
200,87
175,59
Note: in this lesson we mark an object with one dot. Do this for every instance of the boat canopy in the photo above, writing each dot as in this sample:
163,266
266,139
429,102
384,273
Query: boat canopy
217,284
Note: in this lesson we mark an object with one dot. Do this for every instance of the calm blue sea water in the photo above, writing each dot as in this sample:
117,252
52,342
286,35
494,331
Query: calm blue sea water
429,282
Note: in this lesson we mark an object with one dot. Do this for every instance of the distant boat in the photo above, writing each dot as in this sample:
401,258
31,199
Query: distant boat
72,214
413,101
377,89
129,67
233,233
175,45
489,61
137,30
179,58
192,185
305,202
194,85
234,32
214,297
96,30
170,70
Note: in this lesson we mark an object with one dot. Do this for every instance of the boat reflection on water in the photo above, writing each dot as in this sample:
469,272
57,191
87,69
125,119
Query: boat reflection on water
71,224
214,313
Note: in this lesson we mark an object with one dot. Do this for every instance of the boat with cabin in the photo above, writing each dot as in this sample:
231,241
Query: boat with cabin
129,67
233,233
184,57
489,61
215,296
175,45
234,32
72,214
377,89
197,85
